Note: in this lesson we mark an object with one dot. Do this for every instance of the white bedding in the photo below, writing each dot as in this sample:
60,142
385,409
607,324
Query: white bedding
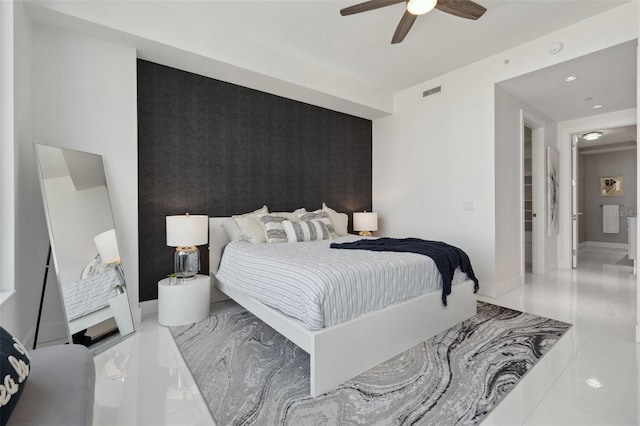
89,294
323,287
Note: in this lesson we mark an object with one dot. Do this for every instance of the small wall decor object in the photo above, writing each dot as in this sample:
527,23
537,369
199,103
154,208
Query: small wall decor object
611,186
553,165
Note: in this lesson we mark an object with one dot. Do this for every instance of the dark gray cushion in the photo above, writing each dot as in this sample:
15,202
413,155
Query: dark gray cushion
60,389
14,372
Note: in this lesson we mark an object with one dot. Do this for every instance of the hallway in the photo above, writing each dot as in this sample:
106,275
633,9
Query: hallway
592,376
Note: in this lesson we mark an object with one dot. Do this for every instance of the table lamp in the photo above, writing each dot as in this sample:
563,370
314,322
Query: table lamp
365,222
185,232
107,245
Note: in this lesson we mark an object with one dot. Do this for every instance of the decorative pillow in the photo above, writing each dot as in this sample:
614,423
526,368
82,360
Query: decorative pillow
14,370
231,228
272,225
305,230
250,229
322,217
339,220
292,216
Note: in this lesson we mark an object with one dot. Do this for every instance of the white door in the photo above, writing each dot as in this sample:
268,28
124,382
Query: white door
574,201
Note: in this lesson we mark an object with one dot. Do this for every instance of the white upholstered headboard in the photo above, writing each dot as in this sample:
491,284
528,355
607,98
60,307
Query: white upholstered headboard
218,239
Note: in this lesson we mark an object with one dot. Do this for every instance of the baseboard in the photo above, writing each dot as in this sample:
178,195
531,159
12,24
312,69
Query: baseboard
149,307
495,291
602,244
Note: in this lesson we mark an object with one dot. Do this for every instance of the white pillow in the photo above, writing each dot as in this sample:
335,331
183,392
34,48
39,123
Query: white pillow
295,215
231,228
305,230
339,220
250,229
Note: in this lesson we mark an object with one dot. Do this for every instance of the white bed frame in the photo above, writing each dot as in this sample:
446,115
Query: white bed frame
342,352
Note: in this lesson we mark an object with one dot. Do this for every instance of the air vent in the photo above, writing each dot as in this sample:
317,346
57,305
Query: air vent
432,92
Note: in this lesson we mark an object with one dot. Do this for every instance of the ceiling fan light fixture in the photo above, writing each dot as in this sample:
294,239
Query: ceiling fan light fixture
420,7
592,136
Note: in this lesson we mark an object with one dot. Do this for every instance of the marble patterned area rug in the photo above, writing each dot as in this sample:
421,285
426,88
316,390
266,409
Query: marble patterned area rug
249,374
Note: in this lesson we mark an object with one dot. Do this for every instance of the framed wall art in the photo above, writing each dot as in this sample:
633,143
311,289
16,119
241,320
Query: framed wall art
611,186
553,168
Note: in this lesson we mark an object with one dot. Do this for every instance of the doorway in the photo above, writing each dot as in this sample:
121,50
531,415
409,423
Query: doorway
604,195
532,199
528,200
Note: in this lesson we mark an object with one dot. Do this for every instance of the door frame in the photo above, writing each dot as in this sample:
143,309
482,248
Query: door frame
574,201
566,129
537,127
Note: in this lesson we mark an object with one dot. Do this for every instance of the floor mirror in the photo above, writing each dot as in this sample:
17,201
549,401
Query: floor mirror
84,247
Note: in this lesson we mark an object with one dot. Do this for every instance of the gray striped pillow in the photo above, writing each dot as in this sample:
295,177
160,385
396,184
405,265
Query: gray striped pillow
272,225
305,230
323,217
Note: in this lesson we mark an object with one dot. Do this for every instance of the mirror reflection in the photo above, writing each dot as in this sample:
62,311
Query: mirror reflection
84,246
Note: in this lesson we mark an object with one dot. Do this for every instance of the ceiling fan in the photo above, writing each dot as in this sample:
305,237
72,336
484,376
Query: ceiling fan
462,8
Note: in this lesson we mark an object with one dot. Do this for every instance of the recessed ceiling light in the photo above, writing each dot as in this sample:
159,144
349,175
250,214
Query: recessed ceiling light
597,106
592,136
570,78
594,383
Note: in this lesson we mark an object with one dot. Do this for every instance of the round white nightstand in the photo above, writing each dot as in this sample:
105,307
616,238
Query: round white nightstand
184,303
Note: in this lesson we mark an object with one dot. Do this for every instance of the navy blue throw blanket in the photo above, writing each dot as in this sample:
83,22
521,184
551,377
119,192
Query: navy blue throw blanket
446,257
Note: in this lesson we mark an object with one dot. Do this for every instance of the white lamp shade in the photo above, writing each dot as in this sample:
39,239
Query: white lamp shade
107,246
187,230
365,221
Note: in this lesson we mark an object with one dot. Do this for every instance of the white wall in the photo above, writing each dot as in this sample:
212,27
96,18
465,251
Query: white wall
6,151
208,50
19,313
638,198
509,188
84,98
434,154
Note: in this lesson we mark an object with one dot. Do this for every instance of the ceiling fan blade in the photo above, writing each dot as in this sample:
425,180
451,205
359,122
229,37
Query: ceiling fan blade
367,6
462,8
403,27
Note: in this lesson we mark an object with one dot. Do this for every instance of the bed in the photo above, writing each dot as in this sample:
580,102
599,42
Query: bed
341,348
86,300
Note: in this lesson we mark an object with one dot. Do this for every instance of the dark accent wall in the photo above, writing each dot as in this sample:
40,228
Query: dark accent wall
215,148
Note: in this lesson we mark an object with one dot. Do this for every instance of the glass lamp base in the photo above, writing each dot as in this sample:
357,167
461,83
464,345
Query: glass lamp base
186,262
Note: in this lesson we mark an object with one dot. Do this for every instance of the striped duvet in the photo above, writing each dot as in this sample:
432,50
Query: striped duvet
323,287
90,294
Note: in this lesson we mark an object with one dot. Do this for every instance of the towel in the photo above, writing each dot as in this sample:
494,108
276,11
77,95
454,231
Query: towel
611,219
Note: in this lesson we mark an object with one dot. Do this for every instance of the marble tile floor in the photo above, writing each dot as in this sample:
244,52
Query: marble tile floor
591,377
